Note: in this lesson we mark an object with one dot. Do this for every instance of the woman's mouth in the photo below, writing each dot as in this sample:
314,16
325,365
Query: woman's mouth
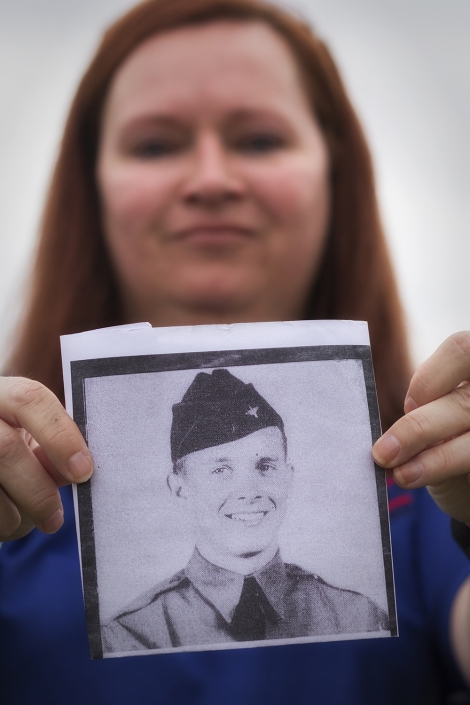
214,235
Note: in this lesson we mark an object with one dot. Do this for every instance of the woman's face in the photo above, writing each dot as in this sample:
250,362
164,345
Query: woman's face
214,178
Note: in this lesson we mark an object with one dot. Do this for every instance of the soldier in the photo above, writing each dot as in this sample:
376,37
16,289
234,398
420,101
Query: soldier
230,465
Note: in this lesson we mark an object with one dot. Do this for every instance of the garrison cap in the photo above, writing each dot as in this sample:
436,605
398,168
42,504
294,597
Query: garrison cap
218,408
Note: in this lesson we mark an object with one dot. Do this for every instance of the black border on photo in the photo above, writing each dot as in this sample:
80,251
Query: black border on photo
138,364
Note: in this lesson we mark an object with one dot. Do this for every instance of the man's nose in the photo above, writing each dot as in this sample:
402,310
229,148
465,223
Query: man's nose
212,181
247,486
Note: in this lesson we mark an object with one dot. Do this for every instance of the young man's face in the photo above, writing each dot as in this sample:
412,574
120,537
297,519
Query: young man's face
238,492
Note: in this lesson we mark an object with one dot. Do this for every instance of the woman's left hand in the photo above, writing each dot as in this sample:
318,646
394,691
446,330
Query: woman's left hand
430,445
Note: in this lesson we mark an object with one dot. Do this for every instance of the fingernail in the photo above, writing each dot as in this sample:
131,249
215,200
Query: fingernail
409,405
80,466
386,449
51,525
409,472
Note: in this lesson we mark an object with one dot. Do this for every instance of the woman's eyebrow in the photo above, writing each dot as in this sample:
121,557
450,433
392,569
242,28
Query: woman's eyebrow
241,115
174,121
166,120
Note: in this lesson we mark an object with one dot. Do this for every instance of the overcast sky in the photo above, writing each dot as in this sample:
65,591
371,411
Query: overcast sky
407,65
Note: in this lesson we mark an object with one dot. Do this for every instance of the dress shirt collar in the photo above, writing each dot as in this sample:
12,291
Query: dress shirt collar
222,588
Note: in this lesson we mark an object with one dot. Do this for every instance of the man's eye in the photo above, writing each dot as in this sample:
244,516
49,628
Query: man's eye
223,470
266,468
261,143
153,149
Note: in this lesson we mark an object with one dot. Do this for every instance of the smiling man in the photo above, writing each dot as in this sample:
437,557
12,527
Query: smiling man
230,466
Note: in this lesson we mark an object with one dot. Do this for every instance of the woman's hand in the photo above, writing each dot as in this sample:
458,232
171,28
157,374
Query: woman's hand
41,449
430,445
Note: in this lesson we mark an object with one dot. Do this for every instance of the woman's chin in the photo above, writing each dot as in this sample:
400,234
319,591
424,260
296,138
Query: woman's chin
232,295
211,296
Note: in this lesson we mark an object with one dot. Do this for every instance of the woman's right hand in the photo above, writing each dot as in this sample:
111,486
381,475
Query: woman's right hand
41,449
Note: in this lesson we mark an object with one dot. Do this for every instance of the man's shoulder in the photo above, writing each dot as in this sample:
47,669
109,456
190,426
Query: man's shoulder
150,596
301,577
142,624
295,571
349,608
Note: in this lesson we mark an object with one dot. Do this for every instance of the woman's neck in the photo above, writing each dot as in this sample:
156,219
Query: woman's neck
174,315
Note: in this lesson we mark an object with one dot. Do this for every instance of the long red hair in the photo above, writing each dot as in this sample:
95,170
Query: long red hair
73,284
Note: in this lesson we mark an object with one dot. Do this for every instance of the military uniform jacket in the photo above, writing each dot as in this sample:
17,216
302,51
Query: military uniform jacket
196,605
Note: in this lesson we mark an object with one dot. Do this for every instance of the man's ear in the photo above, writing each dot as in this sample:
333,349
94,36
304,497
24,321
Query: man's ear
176,484
290,468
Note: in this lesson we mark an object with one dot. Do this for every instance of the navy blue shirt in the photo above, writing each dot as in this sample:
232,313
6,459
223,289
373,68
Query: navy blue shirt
44,656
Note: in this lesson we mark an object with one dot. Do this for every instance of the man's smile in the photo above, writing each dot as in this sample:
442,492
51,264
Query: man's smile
248,518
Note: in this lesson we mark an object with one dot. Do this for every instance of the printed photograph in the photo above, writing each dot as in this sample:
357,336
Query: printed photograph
235,501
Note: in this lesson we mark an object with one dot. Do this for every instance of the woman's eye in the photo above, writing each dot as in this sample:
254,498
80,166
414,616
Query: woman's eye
153,149
261,143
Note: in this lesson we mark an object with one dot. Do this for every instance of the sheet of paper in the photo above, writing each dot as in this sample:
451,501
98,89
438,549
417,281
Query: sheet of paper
235,501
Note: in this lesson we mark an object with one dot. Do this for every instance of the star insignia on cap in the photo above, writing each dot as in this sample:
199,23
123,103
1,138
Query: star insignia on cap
252,411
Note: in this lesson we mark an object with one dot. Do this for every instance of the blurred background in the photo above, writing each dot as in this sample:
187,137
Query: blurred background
407,66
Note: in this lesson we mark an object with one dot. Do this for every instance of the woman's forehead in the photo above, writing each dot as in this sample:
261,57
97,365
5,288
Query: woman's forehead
229,62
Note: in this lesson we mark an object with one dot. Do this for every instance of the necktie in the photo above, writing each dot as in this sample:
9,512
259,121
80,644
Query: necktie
249,618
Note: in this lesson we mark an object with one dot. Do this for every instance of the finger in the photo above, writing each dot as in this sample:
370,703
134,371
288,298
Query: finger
453,497
14,523
10,518
437,464
420,429
59,479
440,373
27,483
30,405
42,457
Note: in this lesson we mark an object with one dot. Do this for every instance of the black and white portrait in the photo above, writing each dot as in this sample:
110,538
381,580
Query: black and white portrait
235,500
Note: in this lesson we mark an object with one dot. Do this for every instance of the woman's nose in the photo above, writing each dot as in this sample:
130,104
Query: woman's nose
212,182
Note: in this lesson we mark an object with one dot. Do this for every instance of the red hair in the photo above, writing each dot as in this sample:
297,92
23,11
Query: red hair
73,285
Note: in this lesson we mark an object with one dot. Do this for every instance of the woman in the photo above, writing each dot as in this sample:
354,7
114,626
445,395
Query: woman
212,170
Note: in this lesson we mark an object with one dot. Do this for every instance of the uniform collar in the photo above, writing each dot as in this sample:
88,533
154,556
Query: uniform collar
222,588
